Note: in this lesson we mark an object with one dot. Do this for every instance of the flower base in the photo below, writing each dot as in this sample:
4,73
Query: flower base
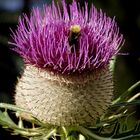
74,99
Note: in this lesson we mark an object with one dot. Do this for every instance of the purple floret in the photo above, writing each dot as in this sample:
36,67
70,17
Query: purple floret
42,39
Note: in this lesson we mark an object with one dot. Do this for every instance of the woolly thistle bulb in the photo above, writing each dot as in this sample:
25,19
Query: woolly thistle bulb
67,79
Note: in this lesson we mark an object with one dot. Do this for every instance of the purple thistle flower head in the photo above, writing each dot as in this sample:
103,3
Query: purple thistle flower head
59,43
67,40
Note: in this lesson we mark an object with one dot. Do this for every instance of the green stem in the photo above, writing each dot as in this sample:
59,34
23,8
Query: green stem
86,132
65,131
13,107
50,134
126,93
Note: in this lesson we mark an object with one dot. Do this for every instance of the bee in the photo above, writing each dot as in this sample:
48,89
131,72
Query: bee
73,36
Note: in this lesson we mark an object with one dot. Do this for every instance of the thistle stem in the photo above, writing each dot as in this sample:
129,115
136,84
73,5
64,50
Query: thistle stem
65,131
85,131
126,93
51,133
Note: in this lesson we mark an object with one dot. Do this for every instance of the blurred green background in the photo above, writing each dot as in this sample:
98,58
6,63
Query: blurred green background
127,70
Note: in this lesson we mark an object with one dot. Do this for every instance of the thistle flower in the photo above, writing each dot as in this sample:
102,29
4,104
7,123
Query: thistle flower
67,80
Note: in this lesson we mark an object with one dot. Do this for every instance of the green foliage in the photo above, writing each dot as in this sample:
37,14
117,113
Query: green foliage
114,125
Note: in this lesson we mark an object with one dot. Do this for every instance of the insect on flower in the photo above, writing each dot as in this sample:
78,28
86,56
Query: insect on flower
73,37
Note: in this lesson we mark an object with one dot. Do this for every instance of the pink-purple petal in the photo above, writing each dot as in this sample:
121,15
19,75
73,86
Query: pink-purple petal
42,39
